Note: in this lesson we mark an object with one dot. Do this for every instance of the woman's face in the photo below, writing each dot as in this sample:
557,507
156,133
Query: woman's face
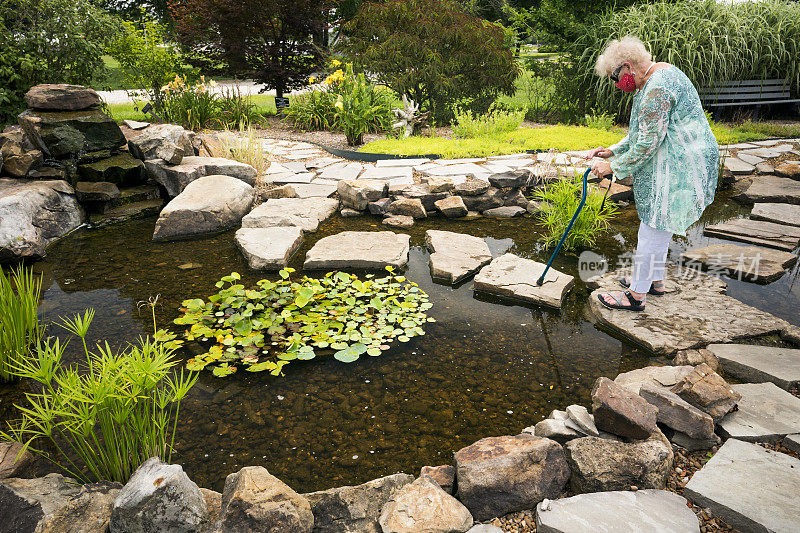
623,78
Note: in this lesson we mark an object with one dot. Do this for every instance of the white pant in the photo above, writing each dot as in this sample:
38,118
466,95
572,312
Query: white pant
650,258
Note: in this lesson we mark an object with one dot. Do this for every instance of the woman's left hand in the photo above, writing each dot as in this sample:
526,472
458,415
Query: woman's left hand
601,168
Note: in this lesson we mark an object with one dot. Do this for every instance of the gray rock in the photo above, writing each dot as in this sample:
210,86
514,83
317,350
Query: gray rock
491,199
255,500
456,256
514,197
505,212
438,184
738,167
676,413
424,506
135,124
500,475
18,163
599,464
207,205
398,221
294,178
341,171
346,212
659,376
402,162
764,168
61,97
792,442
620,412
357,194
33,215
12,462
556,430
452,207
758,364
766,413
314,190
422,192
379,207
169,142
515,178
121,169
96,191
458,169
354,509
410,207
685,441
54,504
706,390
749,487
485,528
789,169
174,178
780,213
696,357
580,415
444,475
758,232
158,497
752,263
284,191
618,191
471,187
67,134
511,276
608,512
359,249
695,312
750,159
268,248
306,213
772,189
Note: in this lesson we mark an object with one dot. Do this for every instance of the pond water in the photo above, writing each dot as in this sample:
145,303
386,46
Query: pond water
485,367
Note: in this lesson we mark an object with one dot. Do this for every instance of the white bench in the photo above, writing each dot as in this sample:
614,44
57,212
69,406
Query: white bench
747,92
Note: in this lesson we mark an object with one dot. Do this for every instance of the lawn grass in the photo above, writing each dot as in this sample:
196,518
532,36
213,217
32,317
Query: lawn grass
132,110
111,78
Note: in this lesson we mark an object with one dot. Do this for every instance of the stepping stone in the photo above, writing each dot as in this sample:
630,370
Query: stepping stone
780,213
769,142
749,487
387,163
459,161
789,169
277,168
382,173
792,443
611,512
322,162
766,153
695,312
268,248
135,124
766,413
291,177
341,171
301,154
764,168
737,166
752,263
759,364
359,249
739,146
314,189
508,211
305,213
760,232
772,189
456,256
749,159
451,170
296,166
513,163
511,276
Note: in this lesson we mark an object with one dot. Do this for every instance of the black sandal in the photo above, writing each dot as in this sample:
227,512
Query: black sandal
632,305
627,284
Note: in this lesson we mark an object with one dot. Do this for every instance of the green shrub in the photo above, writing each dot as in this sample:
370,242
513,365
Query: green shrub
434,52
313,110
193,105
19,321
103,420
494,121
600,121
236,110
560,200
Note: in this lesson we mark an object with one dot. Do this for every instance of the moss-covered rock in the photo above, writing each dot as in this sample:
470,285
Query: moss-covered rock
121,169
65,134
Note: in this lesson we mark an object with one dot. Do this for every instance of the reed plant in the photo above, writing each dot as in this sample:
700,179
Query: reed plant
104,419
20,291
244,145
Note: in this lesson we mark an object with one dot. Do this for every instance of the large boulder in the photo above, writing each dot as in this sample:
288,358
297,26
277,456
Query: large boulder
65,134
55,504
599,464
162,141
61,97
34,214
158,497
500,475
121,169
444,475
255,500
674,412
354,509
708,391
621,412
357,194
175,178
424,506
207,205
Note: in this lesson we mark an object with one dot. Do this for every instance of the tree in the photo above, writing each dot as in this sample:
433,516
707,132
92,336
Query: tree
271,41
434,52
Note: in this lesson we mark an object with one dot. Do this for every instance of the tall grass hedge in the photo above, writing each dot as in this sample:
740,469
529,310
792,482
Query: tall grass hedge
712,42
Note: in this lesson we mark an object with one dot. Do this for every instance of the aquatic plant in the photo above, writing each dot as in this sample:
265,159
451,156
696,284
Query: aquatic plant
104,419
19,322
265,328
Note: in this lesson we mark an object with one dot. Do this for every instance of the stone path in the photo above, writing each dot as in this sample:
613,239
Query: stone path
749,487
773,189
359,249
268,248
766,413
759,364
758,232
305,213
455,256
514,277
780,213
751,263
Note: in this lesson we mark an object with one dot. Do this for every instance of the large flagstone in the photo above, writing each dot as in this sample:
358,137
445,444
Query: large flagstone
758,232
514,277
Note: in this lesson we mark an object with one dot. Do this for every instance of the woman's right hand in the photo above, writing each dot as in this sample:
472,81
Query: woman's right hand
599,152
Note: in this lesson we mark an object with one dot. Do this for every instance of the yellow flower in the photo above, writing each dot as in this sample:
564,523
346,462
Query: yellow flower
312,80
335,63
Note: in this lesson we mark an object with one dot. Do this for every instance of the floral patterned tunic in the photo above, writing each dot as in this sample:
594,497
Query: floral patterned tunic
670,152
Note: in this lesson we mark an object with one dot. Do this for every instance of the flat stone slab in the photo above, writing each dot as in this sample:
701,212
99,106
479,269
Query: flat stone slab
511,276
766,413
752,263
359,249
292,177
695,312
772,189
451,170
780,213
736,166
268,248
314,190
387,173
749,487
792,442
642,511
758,232
759,364
387,163
456,256
341,171
305,213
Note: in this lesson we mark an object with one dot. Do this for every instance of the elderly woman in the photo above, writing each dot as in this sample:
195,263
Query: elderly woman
671,155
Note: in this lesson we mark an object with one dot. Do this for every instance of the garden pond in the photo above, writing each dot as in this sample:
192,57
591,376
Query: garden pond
485,367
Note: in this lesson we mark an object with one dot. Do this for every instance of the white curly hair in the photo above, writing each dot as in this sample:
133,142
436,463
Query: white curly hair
629,49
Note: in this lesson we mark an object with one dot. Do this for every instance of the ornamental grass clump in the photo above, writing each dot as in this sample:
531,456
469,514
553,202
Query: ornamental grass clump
102,420
496,120
19,322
